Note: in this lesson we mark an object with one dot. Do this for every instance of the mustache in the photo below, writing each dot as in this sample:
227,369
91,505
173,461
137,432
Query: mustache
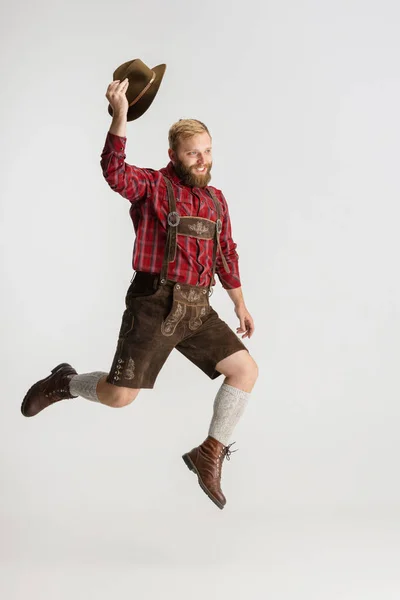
207,166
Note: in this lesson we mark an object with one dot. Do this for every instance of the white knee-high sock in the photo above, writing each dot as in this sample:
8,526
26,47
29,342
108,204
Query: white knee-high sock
229,405
85,385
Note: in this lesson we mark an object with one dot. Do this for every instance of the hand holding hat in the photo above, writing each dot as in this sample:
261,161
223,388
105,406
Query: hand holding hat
116,95
134,88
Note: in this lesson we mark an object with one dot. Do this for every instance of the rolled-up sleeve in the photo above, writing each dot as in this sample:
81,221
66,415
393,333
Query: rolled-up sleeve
133,183
229,280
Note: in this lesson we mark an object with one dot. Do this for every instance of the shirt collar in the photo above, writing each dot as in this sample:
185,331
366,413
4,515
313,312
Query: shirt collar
170,172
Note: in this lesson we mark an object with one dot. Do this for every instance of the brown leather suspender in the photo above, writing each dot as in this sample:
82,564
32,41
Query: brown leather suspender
194,226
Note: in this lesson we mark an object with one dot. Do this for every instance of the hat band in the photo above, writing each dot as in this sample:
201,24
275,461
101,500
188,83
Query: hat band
142,93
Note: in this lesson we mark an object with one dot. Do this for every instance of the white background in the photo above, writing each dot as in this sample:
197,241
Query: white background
302,100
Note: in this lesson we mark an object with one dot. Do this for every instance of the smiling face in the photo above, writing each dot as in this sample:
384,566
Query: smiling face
192,159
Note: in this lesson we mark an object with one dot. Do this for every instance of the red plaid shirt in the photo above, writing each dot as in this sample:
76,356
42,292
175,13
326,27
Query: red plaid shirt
147,192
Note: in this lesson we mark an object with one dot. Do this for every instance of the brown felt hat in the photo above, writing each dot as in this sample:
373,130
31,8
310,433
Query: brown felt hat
143,85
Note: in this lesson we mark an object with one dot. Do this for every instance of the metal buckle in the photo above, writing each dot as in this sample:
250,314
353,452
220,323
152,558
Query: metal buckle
173,219
219,226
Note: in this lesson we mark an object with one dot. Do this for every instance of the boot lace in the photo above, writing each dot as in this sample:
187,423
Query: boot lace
227,451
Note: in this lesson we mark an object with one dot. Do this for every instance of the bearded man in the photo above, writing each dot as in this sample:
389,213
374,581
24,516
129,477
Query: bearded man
183,239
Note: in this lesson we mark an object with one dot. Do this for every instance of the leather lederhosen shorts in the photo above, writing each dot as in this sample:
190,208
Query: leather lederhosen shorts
159,318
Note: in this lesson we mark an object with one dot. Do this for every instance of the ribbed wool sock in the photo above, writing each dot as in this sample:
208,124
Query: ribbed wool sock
85,385
229,405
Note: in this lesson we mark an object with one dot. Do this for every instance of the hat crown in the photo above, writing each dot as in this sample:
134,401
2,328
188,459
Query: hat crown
137,73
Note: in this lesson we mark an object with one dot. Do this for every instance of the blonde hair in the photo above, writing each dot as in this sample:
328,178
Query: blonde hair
185,128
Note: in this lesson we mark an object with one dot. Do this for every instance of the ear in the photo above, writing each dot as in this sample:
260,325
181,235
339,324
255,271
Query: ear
171,155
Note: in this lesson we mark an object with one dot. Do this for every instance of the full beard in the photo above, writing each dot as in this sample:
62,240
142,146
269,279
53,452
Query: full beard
190,178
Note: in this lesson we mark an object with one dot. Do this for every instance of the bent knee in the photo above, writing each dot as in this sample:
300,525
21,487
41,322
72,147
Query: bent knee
240,366
254,369
121,396
250,369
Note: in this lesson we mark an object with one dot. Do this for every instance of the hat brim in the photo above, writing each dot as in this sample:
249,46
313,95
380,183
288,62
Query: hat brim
138,109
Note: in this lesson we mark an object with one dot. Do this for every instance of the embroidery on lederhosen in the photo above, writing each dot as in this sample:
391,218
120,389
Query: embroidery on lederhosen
195,321
168,327
199,228
191,296
128,321
129,371
124,371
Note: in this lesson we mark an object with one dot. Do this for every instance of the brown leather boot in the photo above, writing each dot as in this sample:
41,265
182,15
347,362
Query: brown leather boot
206,460
47,391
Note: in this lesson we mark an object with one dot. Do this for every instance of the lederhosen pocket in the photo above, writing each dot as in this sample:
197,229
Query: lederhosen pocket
143,285
126,324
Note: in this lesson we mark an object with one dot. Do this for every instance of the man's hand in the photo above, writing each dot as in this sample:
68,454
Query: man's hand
119,103
246,321
116,95
245,318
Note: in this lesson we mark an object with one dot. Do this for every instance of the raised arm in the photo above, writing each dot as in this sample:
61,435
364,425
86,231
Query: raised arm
131,182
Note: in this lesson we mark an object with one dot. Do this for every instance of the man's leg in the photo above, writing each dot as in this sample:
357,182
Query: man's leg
93,386
64,383
216,349
206,460
140,354
240,370
241,374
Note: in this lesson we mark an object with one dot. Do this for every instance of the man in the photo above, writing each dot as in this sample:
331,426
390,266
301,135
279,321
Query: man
183,237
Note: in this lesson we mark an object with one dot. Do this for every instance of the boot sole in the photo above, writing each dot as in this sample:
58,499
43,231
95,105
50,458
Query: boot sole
24,401
190,465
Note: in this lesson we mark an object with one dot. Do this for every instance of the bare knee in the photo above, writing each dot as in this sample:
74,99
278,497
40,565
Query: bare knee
240,369
254,370
248,370
115,396
123,397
